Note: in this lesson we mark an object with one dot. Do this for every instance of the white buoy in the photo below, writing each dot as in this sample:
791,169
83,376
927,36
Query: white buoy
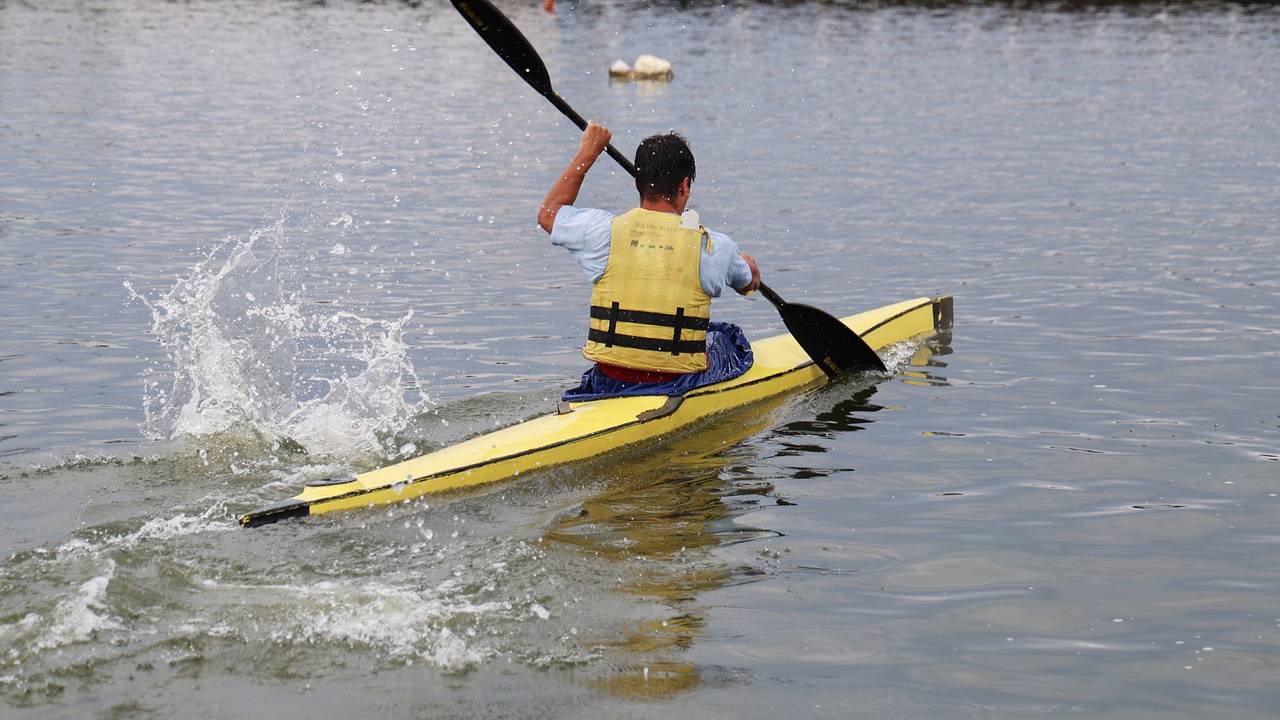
651,67
647,67
620,69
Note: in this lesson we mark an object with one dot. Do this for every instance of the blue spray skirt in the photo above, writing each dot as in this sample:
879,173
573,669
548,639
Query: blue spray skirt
728,356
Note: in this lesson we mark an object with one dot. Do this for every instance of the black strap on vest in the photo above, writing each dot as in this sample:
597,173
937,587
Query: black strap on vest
677,322
648,318
675,332
613,324
688,347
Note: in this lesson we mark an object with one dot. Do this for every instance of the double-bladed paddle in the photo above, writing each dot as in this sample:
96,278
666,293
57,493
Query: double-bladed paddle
833,346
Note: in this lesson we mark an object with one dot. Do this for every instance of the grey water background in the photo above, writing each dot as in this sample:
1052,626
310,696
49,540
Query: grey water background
1066,506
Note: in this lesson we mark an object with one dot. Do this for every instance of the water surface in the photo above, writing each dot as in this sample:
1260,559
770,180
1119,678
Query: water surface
249,245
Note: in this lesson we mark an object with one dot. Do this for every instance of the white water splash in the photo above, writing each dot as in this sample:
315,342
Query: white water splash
401,622
76,618
213,519
897,357
250,352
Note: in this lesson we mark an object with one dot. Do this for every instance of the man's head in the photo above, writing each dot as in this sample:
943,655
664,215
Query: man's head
663,162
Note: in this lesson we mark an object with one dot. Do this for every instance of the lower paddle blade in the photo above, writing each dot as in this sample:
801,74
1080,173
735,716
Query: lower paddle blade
832,345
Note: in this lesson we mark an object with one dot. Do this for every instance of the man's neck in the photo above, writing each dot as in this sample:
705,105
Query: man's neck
659,205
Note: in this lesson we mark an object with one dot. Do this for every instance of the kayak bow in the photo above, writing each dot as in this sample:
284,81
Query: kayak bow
577,431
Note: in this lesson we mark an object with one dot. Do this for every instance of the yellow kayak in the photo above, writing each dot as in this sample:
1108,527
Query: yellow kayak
581,430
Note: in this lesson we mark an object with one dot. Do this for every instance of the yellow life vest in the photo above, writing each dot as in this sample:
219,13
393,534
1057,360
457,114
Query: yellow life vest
648,310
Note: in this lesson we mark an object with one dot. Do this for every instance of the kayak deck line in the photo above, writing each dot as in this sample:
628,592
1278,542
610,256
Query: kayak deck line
594,427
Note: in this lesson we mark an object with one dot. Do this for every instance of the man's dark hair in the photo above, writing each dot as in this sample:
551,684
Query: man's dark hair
662,161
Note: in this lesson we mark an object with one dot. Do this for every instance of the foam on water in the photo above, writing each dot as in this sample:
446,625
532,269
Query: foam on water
79,461
249,351
453,617
404,623
75,618
215,518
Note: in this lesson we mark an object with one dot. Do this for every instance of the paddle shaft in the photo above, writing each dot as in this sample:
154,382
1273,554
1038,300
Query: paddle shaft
772,296
573,115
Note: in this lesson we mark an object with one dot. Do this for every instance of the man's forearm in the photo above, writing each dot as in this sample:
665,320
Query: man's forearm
565,190
754,284
595,138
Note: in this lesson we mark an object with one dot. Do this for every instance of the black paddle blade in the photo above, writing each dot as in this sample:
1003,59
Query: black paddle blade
516,50
507,40
832,345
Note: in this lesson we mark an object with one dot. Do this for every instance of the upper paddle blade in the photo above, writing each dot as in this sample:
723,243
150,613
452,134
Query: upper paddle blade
832,345
506,40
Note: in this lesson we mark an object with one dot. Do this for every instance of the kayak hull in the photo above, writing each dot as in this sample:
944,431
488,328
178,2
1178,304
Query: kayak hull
578,431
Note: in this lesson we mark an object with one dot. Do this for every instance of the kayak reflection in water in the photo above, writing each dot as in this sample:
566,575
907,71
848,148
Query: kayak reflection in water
654,271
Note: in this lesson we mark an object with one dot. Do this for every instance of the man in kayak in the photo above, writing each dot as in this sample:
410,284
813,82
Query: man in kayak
654,271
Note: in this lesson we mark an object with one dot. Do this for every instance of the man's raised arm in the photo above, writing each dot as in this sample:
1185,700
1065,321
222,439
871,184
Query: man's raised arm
565,190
